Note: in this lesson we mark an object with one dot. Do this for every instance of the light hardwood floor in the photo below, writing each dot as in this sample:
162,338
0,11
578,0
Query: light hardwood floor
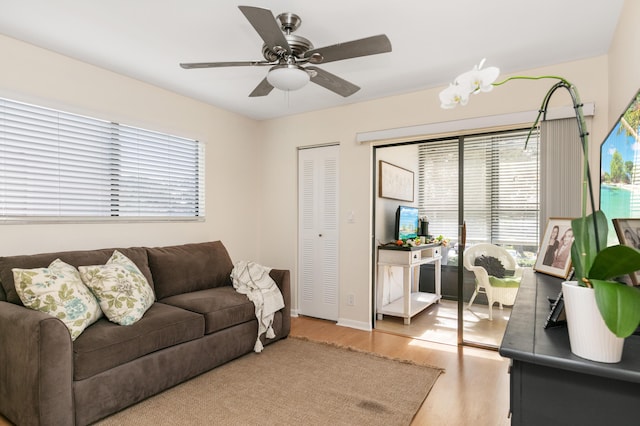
439,323
474,389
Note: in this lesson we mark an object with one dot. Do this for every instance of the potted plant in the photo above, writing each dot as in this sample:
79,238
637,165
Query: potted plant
596,265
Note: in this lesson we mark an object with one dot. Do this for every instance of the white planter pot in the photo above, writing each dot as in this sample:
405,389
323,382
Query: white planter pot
588,334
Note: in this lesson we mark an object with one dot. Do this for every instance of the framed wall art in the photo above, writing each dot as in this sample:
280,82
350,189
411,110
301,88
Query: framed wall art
395,182
554,254
628,231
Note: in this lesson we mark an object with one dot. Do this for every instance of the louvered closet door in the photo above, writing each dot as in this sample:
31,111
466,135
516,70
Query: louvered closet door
318,232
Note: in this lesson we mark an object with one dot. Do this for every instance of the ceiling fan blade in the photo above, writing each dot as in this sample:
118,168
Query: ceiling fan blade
193,65
353,49
266,26
332,82
262,89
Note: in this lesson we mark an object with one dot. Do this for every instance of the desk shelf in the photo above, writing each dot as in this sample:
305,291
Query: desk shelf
409,259
419,302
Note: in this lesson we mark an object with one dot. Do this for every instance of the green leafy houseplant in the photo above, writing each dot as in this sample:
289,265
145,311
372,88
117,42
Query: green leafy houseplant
596,265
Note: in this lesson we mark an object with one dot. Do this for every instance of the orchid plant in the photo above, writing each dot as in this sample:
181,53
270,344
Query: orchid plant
595,264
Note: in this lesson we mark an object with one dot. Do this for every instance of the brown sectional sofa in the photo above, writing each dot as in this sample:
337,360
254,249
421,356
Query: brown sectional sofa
197,323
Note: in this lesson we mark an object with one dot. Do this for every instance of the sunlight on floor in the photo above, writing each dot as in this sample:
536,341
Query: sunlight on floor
439,324
466,350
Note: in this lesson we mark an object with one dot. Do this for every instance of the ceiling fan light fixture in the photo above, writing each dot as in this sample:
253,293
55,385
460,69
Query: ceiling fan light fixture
288,77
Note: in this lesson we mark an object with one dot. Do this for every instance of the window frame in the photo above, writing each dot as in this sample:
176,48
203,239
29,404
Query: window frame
60,167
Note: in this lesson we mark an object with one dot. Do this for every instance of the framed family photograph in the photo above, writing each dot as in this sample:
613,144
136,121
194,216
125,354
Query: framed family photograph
628,231
554,254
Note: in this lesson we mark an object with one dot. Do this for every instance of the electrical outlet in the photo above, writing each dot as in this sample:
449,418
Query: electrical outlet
351,300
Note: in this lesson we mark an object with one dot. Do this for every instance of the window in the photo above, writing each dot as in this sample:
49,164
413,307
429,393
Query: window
501,189
56,166
438,186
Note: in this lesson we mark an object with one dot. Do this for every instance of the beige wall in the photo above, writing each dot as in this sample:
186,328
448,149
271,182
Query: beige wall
405,156
281,137
34,75
624,60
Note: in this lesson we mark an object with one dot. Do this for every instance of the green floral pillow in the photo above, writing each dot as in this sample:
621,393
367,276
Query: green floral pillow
58,291
123,292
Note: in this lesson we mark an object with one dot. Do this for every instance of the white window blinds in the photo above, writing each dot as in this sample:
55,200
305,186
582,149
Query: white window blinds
438,186
501,181
501,196
60,166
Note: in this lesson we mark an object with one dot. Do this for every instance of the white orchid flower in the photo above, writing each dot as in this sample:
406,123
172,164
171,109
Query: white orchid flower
454,95
478,79
474,81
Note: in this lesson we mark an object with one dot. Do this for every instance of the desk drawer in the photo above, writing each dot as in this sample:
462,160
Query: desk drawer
399,257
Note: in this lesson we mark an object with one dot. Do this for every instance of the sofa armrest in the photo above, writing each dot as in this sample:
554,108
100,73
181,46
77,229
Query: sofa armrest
283,281
36,367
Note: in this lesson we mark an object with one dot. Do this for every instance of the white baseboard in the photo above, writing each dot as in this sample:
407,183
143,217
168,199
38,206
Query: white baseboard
355,324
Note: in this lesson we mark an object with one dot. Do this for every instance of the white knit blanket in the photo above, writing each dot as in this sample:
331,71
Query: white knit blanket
253,280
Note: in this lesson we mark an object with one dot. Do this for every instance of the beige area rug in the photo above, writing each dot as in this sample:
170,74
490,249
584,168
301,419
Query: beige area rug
292,382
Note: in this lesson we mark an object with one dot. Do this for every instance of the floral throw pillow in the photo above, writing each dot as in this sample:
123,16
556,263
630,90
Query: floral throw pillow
122,290
58,291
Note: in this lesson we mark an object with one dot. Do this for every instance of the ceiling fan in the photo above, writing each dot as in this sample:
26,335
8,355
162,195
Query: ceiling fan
286,54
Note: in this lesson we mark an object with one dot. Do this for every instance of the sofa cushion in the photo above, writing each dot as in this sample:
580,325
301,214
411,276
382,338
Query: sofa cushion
58,291
189,267
76,258
509,282
122,291
105,345
222,307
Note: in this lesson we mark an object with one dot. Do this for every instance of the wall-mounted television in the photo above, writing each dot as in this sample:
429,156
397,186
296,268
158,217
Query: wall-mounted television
620,167
406,223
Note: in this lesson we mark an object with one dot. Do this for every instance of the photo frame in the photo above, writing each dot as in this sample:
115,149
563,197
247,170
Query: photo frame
557,316
628,231
395,182
554,254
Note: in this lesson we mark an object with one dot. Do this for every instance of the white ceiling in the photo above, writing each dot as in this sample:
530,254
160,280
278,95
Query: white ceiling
433,41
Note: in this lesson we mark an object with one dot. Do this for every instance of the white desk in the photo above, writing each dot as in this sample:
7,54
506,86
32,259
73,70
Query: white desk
409,259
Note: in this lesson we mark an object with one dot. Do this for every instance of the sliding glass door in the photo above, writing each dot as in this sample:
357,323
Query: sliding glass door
490,184
501,213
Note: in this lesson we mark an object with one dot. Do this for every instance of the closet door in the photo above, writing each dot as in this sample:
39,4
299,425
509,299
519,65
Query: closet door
318,232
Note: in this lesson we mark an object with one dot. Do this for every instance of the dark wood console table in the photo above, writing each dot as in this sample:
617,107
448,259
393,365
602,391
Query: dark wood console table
550,385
